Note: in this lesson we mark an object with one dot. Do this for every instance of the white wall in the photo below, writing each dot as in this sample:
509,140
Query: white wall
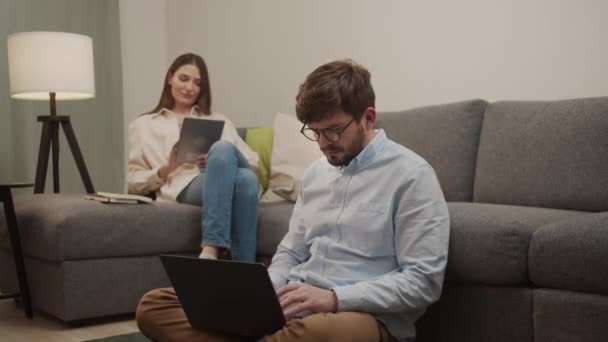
419,52
143,43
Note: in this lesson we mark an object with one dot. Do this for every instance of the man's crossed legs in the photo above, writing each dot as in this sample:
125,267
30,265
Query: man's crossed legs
160,316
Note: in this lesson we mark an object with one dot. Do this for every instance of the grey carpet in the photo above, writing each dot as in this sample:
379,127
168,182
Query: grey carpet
133,337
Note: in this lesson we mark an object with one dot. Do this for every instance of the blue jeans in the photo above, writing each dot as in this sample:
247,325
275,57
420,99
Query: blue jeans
228,188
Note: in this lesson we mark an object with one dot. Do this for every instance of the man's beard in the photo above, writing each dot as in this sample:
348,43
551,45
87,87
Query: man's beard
351,153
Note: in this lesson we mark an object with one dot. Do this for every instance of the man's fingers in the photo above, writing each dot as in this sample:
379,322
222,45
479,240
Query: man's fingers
286,301
294,310
287,288
291,298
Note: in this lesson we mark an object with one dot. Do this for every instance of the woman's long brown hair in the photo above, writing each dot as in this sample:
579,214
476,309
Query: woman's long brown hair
204,98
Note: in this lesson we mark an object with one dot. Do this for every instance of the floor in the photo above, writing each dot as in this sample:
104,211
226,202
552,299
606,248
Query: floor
14,326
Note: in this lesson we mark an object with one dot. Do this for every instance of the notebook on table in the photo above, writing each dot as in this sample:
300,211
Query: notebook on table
225,296
196,138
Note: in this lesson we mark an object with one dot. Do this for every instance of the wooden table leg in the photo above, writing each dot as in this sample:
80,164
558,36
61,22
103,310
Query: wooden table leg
13,230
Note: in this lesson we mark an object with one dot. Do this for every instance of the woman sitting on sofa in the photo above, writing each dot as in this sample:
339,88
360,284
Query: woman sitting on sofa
221,180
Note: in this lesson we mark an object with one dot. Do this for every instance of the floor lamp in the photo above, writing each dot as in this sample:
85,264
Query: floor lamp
52,66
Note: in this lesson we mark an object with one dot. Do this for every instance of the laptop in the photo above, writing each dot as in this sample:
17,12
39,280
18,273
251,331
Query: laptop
225,296
196,138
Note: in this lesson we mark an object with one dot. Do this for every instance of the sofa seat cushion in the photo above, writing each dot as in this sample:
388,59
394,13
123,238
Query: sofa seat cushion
273,223
572,254
489,242
60,227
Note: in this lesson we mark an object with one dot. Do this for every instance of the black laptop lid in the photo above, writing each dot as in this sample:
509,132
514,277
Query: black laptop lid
225,296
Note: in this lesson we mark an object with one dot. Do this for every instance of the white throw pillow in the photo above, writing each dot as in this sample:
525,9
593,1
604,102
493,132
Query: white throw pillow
292,153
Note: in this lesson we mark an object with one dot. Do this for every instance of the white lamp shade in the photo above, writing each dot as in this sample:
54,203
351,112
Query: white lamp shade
43,62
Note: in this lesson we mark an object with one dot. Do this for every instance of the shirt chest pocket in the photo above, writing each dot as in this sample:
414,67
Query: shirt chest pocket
368,228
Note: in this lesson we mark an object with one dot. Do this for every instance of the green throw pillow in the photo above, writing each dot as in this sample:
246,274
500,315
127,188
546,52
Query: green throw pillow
260,140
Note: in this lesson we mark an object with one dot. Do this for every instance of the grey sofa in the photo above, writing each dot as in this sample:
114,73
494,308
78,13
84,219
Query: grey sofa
527,189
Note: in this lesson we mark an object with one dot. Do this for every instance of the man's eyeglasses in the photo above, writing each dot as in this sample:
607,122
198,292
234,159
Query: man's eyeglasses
331,134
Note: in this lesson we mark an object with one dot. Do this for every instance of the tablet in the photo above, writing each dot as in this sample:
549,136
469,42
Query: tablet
196,138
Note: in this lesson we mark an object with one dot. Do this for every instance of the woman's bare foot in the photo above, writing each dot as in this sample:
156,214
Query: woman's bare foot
209,252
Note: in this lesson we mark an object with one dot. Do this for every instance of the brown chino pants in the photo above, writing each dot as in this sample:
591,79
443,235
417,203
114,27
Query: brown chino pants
161,317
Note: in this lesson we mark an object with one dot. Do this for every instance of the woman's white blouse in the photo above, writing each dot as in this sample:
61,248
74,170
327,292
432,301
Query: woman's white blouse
151,138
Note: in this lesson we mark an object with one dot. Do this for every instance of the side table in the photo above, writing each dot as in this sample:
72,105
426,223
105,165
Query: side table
13,230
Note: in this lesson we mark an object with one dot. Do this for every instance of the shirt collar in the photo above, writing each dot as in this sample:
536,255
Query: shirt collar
194,111
368,154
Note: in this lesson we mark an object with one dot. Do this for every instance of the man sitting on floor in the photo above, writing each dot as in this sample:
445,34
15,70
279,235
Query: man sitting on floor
367,244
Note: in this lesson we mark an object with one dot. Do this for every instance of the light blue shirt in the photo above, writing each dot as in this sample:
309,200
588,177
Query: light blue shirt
375,232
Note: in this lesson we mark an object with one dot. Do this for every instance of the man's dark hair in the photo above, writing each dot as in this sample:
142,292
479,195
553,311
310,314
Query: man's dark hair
339,85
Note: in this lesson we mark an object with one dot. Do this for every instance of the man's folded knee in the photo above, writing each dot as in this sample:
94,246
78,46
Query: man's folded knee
144,305
149,301
153,295
142,316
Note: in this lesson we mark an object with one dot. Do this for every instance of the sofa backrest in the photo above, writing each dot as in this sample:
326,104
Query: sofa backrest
447,136
551,154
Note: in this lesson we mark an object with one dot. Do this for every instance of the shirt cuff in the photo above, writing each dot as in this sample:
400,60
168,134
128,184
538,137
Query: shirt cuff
350,297
277,280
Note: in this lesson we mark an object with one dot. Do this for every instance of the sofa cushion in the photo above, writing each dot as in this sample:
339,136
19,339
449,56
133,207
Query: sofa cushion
60,227
273,223
292,153
572,254
446,136
489,243
260,140
545,154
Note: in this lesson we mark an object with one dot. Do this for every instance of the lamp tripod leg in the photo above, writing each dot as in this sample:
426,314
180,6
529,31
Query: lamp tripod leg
55,143
82,167
43,158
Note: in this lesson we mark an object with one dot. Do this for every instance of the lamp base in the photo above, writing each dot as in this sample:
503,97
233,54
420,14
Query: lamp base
50,137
